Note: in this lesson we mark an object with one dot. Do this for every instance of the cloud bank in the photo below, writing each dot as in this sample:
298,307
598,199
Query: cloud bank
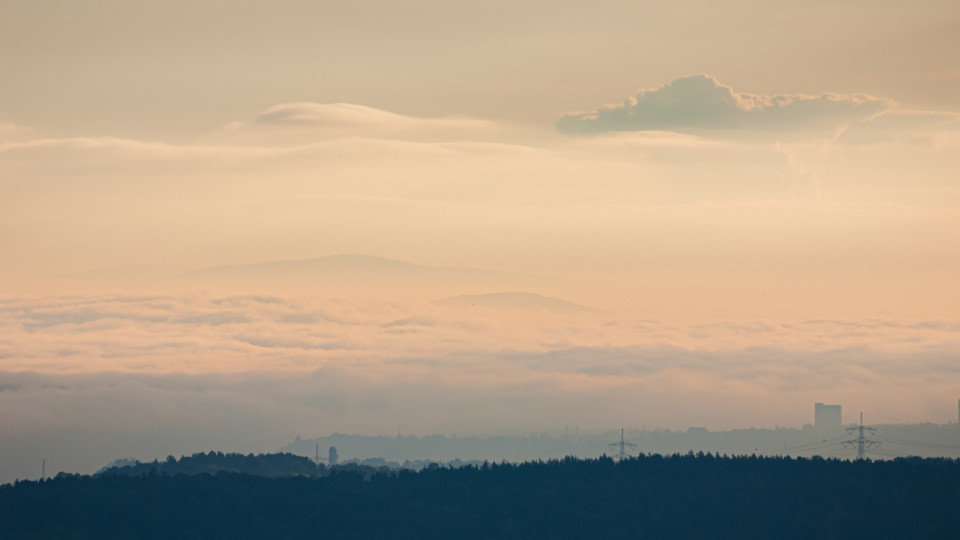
701,103
203,333
84,380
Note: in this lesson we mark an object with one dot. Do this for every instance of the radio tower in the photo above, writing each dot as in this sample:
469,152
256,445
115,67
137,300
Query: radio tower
622,446
861,443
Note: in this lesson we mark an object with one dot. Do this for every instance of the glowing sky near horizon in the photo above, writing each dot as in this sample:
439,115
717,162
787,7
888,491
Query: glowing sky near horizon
755,200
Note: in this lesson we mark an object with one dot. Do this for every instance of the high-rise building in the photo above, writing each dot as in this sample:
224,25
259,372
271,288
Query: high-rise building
827,417
332,456
958,411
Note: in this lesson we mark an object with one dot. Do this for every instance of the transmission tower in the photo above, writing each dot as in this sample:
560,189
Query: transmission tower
622,447
861,443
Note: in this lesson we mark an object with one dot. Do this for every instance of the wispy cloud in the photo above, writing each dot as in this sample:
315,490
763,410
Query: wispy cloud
308,121
919,128
13,132
349,116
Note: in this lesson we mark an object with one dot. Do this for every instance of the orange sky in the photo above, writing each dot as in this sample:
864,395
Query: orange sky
745,203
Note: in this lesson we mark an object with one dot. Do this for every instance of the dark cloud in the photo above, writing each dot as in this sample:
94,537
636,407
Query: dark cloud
700,103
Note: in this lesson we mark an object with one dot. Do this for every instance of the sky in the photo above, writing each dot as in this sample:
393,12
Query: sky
224,224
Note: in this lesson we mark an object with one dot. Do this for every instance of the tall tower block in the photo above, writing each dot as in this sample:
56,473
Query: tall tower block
827,418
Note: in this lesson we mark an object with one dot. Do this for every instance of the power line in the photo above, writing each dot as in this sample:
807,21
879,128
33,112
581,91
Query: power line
922,444
818,451
893,453
832,449
861,443
807,447
841,453
622,446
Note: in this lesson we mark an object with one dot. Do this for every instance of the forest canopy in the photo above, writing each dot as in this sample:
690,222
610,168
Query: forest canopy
649,496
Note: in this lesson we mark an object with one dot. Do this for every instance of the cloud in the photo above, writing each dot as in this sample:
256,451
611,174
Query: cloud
201,332
917,128
10,132
139,203
337,115
311,121
699,103
206,333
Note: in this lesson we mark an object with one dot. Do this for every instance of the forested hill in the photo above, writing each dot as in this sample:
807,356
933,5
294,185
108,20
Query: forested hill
680,496
270,465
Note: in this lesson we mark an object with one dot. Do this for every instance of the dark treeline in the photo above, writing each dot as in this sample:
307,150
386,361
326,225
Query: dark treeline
270,465
651,496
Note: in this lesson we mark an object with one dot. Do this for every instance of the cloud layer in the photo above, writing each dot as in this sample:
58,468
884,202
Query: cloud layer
89,379
201,333
700,103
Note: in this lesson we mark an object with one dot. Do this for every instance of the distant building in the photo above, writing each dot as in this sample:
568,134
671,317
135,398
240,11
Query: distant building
958,411
332,456
827,417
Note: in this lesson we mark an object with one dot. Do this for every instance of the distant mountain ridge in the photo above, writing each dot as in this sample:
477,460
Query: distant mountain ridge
333,275
349,264
364,272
